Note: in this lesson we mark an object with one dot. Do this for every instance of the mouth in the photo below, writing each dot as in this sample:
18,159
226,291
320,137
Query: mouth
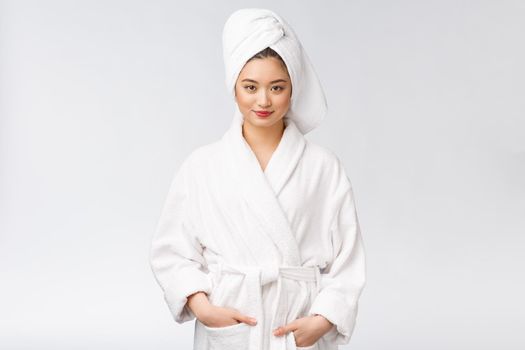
262,113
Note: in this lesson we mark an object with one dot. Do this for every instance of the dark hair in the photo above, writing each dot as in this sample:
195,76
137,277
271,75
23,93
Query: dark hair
269,52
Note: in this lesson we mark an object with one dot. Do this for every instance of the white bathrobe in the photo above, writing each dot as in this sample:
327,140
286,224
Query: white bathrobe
276,245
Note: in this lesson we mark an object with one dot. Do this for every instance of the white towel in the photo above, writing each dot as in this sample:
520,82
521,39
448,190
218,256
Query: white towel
248,31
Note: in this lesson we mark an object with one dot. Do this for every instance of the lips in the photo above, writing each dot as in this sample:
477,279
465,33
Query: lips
263,113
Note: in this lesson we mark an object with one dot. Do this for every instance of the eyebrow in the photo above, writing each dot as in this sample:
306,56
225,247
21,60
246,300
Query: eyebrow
272,82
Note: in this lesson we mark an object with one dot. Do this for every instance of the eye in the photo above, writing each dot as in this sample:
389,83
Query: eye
279,88
249,87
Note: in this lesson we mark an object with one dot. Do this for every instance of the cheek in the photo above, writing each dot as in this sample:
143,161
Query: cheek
244,99
282,101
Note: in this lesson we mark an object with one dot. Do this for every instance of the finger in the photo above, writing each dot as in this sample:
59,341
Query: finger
285,329
246,319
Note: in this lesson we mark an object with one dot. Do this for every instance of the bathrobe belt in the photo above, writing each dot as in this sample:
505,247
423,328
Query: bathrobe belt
255,278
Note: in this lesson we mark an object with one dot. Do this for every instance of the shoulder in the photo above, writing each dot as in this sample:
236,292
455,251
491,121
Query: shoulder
322,153
328,164
201,156
323,156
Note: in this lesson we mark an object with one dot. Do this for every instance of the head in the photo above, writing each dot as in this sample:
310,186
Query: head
264,84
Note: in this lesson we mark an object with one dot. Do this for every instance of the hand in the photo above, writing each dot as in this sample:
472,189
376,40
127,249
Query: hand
306,330
216,316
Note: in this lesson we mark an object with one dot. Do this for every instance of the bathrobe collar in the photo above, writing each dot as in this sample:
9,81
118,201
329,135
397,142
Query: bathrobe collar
260,189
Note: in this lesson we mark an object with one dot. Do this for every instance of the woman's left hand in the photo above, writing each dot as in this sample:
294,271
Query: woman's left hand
306,330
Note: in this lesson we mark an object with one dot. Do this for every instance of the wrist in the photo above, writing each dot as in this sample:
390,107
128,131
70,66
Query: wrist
328,324
199,304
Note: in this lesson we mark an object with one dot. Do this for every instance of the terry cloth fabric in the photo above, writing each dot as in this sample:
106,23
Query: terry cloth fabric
248,31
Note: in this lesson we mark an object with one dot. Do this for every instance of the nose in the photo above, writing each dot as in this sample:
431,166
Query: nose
263,100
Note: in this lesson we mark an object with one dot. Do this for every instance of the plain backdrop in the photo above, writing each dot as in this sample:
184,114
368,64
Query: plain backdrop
100,101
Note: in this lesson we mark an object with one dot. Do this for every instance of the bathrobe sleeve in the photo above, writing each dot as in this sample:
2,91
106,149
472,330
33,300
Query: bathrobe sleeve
343,279
176,254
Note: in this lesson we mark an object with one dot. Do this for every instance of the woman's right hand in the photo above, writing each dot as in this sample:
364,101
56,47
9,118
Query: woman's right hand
217,316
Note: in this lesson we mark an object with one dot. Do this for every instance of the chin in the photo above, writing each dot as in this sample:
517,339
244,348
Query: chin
263,122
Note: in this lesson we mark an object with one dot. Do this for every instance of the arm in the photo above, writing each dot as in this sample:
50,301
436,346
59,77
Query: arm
343,279
176,254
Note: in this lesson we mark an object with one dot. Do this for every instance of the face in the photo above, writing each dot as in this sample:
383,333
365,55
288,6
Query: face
263,85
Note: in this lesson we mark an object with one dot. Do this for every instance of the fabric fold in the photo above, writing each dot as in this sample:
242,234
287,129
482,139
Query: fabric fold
280,243
248,31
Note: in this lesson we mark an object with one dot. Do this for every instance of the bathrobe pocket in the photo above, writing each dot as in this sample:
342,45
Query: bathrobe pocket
229,291
311,347
301,294
234,337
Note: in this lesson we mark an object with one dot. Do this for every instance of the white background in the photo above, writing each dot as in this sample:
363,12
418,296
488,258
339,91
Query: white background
100,101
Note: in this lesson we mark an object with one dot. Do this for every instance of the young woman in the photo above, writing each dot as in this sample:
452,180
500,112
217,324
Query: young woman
259,239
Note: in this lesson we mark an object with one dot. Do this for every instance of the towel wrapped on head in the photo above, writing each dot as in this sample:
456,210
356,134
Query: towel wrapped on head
249,31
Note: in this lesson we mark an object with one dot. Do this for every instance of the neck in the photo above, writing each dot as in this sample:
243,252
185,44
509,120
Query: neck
263,137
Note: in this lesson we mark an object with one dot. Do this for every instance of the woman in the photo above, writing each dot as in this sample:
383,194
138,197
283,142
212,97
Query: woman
259,239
